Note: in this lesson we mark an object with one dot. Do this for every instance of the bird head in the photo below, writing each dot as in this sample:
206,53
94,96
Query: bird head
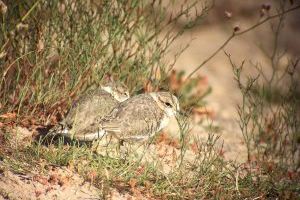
117,89
167,102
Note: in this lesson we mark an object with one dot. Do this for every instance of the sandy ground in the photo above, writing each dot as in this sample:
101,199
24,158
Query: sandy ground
59,184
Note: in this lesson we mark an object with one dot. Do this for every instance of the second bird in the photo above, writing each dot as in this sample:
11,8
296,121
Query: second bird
95,103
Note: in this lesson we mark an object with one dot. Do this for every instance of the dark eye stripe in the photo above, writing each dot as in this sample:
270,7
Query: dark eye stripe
168,104
164,102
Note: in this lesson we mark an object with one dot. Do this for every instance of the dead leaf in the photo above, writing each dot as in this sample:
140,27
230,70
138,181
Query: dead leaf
228,14
194,147
22,133
204,111
92,175
222,152
140,170
174,156
202,84
40,45
292,175
53,179
38,193
175,143
162,137
132,182
41,180
174,82
48,189
8,116
25,123
148,87
162,151
148,184
63,180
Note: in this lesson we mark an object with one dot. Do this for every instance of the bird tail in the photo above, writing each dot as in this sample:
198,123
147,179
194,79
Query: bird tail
83,135
91,136
59,130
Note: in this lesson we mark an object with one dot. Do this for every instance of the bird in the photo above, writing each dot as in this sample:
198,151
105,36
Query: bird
95,103
136,119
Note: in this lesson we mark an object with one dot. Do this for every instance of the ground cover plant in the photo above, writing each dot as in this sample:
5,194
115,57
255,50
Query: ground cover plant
52,51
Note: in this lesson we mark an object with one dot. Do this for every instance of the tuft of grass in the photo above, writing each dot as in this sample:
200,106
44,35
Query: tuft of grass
204,173
53,51
269,121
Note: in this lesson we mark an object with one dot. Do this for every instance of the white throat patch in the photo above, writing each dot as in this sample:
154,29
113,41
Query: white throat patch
164,122
107,89
154,96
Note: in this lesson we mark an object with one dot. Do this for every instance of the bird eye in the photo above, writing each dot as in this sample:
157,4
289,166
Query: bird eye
168,104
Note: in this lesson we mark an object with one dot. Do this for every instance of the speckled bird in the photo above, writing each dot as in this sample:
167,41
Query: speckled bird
136,119
94,104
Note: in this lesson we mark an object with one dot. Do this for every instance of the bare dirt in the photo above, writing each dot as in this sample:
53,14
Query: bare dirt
59,184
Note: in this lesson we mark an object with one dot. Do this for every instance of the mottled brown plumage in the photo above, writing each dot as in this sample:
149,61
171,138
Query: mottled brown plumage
95,103
88,107
137,118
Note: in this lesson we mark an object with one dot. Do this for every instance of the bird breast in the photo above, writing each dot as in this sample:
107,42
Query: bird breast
164,122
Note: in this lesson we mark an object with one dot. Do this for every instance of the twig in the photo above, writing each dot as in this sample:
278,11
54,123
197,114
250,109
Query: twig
237,181
211,56
30,10
170,183
257,197
235,34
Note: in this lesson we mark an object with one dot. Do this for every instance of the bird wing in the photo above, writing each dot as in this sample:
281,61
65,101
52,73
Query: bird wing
80,121
95,104
137,117
134,119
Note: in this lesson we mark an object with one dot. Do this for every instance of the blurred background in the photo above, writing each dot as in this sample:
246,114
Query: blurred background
254,48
